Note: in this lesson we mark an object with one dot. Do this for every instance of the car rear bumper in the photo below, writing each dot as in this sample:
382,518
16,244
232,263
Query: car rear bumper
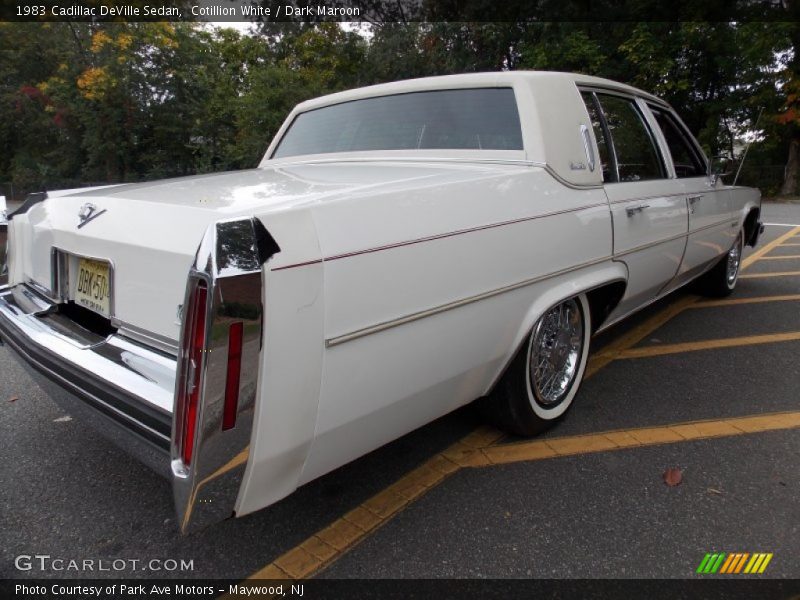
118,386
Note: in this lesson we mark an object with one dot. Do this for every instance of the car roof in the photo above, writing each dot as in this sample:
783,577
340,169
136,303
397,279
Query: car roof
488,79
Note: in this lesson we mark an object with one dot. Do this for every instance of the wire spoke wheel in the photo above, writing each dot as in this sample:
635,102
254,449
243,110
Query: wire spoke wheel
543,378
733,261
555,352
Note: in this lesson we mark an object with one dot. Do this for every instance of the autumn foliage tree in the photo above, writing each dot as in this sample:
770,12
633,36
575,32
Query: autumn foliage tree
111,102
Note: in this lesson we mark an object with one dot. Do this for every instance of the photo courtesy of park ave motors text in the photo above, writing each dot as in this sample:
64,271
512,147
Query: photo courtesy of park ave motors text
435,300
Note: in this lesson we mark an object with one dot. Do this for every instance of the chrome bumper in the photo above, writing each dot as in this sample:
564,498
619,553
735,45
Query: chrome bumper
120,387
127,389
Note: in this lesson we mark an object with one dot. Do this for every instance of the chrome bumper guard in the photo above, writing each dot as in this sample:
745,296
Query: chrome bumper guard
120,387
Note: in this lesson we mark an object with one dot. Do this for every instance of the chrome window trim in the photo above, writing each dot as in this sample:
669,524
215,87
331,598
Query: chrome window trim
647,121
279,163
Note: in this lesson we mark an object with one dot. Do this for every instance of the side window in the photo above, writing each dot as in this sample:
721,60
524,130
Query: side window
684,156
636,152
609,172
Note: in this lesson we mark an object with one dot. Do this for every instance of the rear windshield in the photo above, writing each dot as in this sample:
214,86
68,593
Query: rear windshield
468,119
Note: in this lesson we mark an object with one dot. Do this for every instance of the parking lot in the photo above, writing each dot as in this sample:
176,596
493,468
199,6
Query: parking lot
707,387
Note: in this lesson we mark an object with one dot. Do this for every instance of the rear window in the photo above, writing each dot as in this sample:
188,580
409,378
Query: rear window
466,119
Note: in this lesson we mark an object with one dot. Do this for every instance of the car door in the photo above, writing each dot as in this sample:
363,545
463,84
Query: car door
711,232
648,208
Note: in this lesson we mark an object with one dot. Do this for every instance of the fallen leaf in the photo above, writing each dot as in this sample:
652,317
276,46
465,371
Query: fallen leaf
673,476
13,398
713,491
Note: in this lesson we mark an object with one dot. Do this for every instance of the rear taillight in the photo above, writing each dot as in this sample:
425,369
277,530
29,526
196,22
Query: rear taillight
194,341
232,379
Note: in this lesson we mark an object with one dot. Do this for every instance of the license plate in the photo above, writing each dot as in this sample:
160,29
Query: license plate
91,287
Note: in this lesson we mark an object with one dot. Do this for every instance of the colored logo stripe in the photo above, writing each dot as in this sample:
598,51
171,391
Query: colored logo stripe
734,563
711,563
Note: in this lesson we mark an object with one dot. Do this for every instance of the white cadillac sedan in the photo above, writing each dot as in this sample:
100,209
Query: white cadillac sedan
401,251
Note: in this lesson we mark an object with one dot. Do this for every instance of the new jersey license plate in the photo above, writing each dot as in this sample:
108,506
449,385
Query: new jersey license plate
91,287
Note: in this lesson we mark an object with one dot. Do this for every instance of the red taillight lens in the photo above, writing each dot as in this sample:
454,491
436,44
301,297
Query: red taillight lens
194,340
232,379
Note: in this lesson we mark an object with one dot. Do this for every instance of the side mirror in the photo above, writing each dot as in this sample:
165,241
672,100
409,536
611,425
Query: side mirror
720,167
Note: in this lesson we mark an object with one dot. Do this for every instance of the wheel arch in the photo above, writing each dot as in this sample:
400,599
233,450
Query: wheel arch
751,226
604,286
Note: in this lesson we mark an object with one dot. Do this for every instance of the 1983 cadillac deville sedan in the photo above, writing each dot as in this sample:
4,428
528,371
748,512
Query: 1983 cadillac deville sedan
402,250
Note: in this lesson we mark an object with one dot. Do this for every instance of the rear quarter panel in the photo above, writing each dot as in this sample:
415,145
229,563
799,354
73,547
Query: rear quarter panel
428,291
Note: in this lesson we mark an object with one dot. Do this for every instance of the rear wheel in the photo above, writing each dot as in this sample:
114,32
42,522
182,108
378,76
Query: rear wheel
540,384
721,280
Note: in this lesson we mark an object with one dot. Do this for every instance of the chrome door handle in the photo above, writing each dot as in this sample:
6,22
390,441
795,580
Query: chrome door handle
695,198
636,209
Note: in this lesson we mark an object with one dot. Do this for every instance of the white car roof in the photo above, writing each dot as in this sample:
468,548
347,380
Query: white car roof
489,79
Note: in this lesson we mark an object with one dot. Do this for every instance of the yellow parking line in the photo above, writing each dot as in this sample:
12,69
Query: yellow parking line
747,340
639,437
776,274
768,247
791,244
755,300
637,334
781,257
329,544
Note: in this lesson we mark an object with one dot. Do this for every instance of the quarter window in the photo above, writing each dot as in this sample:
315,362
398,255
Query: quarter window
635,149
685,158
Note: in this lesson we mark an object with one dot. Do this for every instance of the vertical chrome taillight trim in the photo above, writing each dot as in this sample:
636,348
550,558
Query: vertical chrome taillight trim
230,260
3,250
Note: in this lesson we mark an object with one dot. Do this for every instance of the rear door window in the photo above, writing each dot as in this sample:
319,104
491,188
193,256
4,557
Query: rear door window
685,157
638,158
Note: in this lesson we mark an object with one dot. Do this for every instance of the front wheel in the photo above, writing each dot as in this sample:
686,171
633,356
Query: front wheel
721,280
540,384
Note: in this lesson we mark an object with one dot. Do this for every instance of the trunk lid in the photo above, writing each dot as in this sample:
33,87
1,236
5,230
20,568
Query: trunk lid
149,232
